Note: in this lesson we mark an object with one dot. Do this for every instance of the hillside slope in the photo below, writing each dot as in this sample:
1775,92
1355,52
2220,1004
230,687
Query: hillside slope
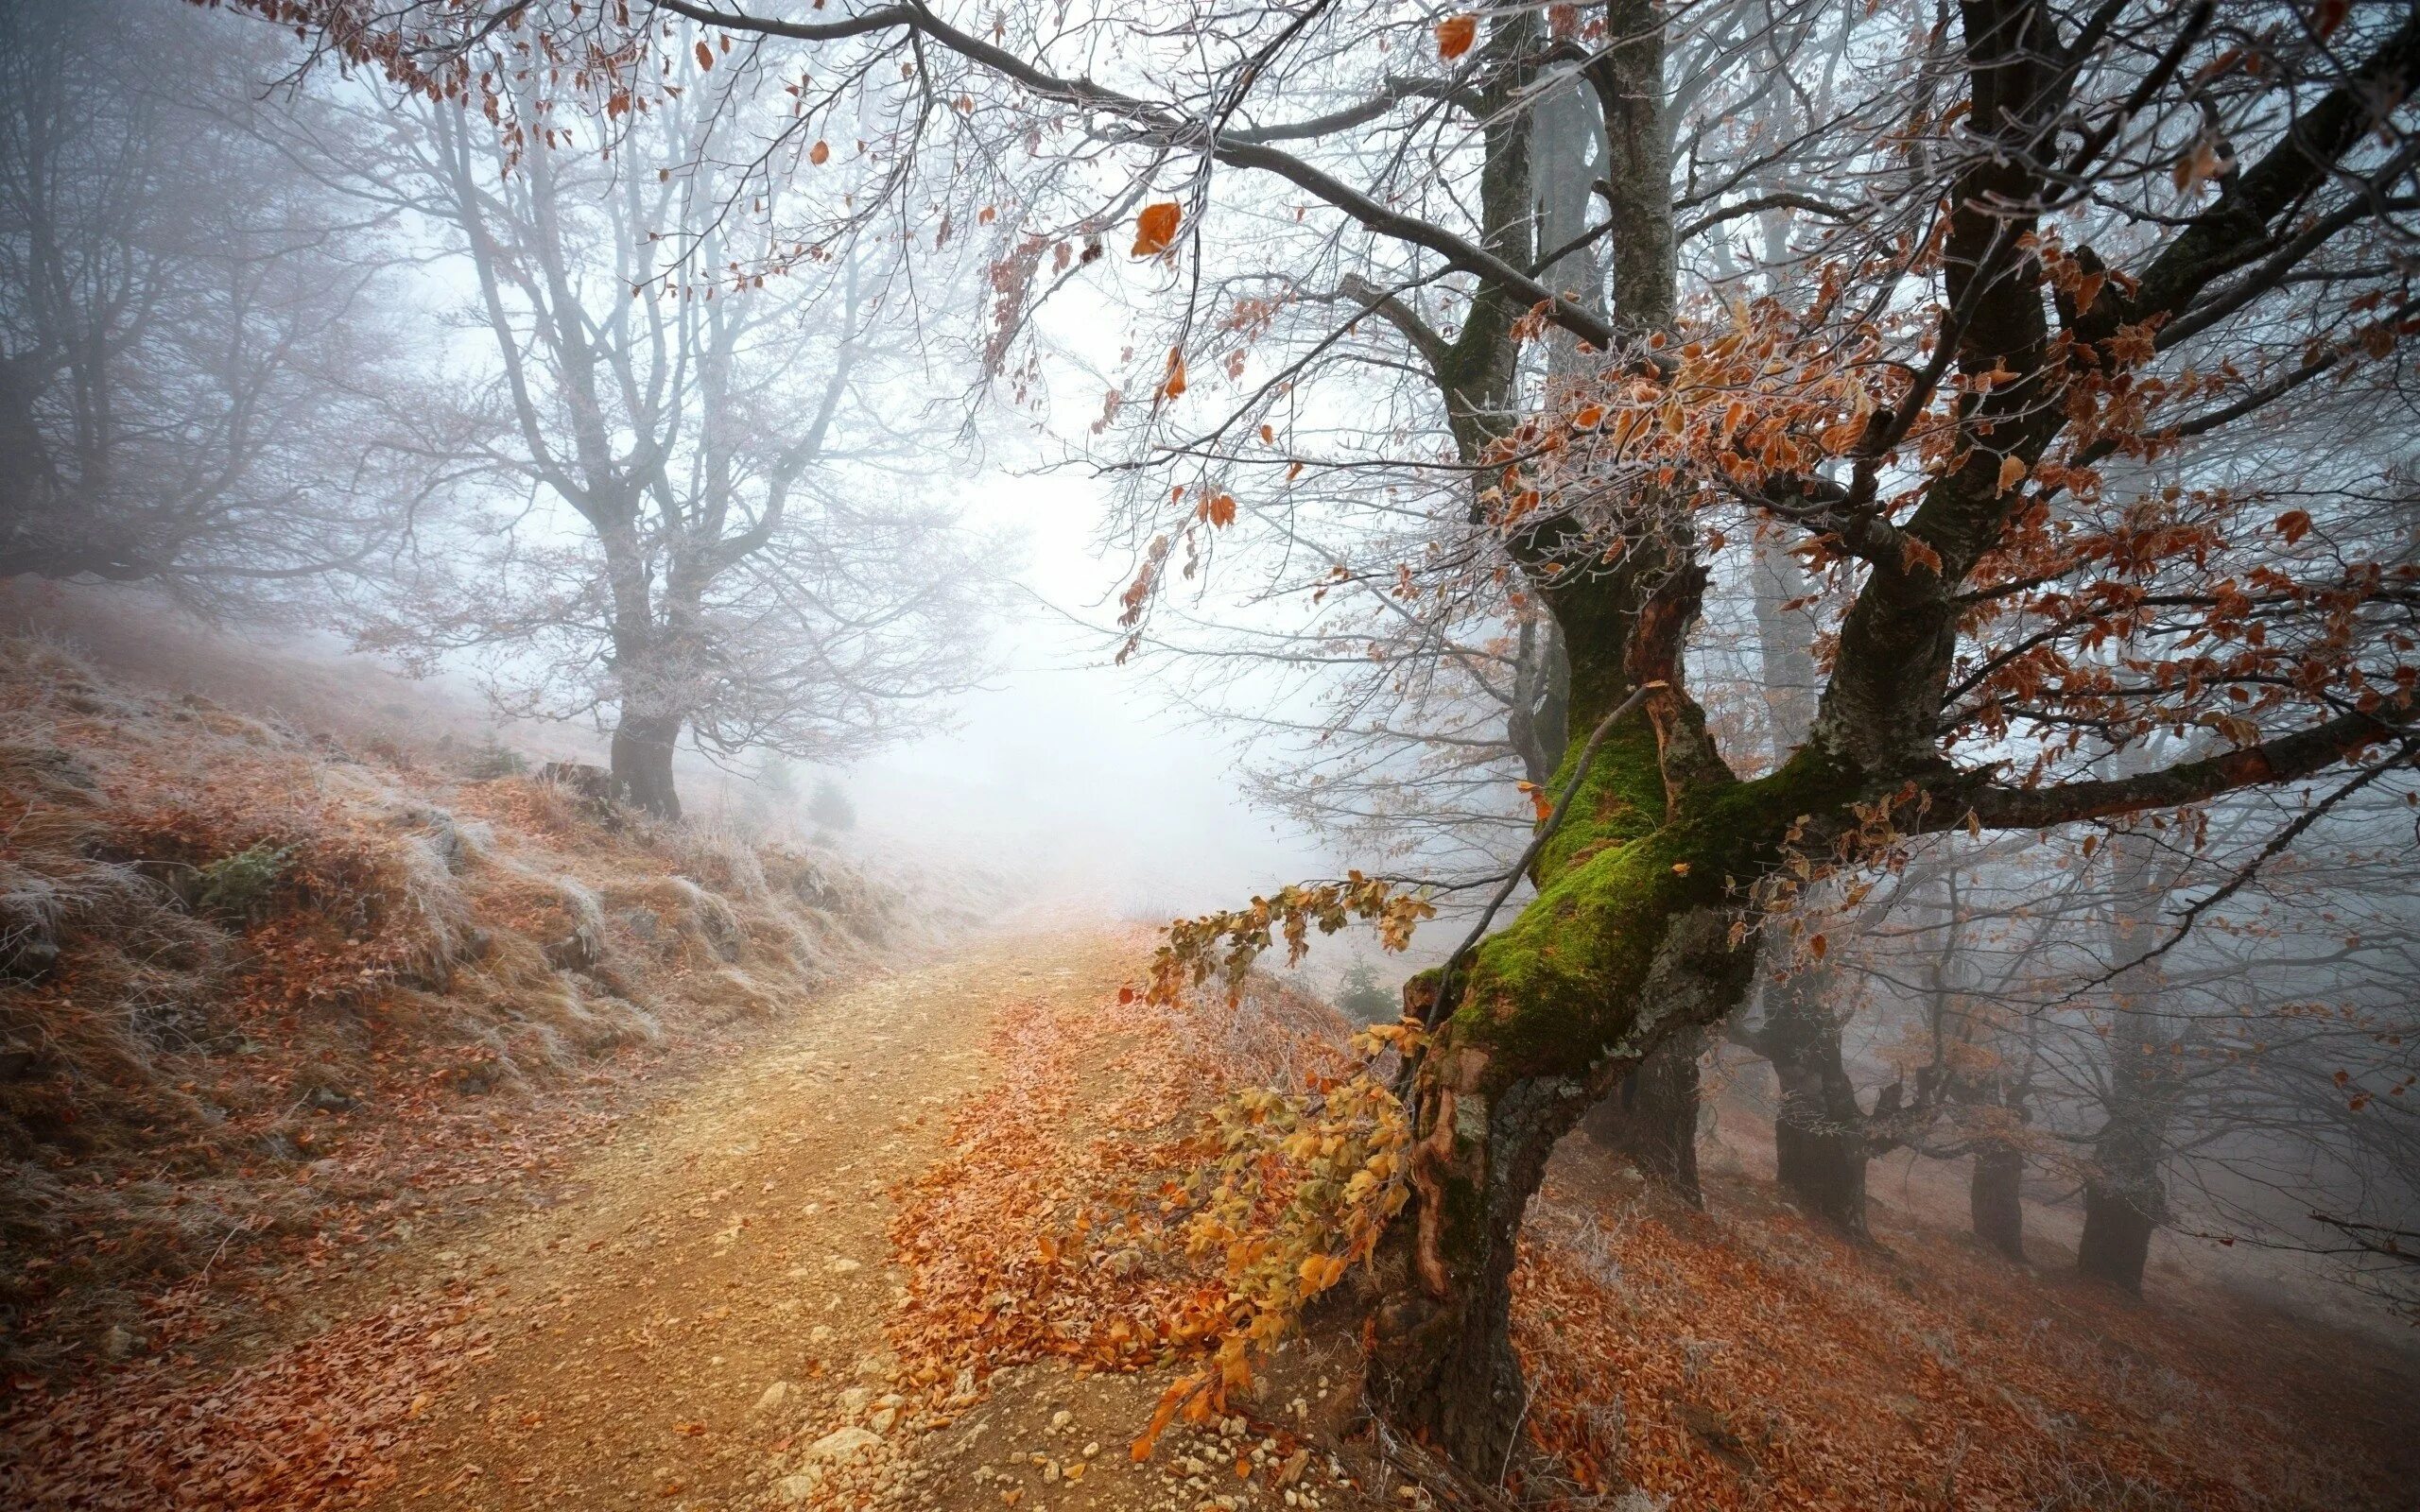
267,994
387,1129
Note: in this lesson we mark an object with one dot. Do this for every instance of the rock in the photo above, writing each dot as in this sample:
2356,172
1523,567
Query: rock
843,1266
821,1334
840,1444
1059,1420
774,1396
853,1400
796,1489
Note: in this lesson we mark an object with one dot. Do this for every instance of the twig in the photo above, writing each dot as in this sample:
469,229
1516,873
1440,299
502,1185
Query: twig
241,1223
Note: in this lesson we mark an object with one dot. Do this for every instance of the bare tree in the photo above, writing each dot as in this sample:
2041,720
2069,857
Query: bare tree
199,366
721,542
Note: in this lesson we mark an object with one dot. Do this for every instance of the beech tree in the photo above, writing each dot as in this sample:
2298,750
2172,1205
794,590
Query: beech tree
745,568
2086,275
201,382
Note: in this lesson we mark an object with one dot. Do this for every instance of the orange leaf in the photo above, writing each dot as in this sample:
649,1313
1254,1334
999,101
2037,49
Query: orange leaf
705,56
2012,474
2293,525
1155,228
819,154
1455,35
1165,1414
1221,511
1174,384
1267,436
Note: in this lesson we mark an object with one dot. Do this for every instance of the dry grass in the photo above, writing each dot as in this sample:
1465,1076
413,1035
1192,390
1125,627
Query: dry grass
262,991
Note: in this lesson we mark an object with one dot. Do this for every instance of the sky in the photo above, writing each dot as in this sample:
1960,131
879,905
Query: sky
1070,769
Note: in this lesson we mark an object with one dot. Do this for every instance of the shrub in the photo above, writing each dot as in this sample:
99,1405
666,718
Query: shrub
239,886
495,759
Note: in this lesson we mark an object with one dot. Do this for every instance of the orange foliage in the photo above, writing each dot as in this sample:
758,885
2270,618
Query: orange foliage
1742,1360
1188,1229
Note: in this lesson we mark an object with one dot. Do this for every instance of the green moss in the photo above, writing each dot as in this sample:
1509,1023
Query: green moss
1547,994
1621,799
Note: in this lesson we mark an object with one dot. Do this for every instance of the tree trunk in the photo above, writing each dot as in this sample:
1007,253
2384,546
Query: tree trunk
1443,1366
1820,1161
2117,1224
1995,1199
1652,1117
1820,1146
1487,1106
642,747
2123,1200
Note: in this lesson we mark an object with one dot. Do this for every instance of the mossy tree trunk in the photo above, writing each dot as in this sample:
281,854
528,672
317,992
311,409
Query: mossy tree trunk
1633,932
1629,939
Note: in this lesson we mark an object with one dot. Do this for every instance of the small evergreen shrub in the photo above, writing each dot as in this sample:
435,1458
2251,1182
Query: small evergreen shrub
240,887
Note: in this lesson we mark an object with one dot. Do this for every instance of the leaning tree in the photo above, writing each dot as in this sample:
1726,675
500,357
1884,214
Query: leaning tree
2039,406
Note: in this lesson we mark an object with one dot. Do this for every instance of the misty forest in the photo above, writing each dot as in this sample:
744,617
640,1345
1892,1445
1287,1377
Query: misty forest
1166,756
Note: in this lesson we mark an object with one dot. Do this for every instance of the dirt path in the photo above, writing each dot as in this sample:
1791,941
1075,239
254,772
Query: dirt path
707,1301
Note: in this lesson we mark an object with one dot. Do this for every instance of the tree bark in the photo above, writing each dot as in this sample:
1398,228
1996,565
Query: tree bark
1487,1106
1821,1164
642,747
1995,1199
1651,1116
1820,1145
2117,1224
2123,1198
1443,1366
